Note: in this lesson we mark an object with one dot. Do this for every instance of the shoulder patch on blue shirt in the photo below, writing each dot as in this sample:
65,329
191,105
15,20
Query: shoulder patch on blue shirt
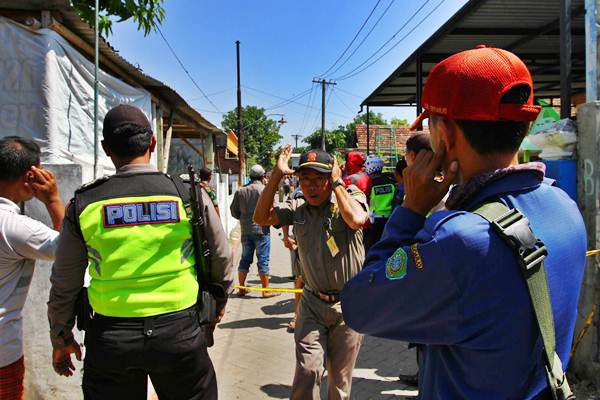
395,267
140,213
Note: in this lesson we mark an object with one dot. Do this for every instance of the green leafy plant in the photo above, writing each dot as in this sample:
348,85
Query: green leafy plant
261,134
148,14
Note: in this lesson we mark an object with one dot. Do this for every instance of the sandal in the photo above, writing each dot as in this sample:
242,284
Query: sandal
268,295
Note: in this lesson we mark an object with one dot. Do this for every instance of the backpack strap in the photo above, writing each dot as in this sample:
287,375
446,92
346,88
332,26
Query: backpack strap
513,227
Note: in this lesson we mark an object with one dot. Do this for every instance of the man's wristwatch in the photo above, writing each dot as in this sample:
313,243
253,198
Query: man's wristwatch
338,182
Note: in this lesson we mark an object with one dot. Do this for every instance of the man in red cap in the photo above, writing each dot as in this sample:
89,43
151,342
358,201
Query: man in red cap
490,286
355,172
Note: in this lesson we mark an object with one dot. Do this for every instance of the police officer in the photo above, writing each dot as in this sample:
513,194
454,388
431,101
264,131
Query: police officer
327,223
381,195
133,230
454,282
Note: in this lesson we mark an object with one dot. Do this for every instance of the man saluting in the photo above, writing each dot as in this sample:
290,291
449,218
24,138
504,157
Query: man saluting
327,224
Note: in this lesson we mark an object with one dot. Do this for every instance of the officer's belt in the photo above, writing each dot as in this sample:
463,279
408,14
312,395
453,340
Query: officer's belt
326,297
157,318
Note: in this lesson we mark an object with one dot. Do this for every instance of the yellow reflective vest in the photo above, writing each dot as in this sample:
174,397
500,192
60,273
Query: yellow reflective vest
139,243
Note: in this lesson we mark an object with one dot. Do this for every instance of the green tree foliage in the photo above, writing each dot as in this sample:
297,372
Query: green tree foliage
399,122
344,135
334,139
148,14
261,134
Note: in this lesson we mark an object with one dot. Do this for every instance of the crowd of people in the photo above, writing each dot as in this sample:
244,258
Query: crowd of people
455,250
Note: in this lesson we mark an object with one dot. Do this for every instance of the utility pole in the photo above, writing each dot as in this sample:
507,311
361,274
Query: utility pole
240,129
323,83
296,137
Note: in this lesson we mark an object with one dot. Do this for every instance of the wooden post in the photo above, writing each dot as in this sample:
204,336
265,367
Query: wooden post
160,161
168,143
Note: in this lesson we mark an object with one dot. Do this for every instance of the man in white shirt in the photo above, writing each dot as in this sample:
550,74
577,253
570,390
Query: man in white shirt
22,241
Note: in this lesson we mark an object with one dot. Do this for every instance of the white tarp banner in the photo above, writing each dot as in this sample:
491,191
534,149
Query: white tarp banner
47,93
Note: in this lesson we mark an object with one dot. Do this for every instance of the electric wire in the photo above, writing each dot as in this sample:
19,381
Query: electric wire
364,38
349,93
186,71
376,52
395,45
353,39
291,99
337,96
307,108
294,101
218,93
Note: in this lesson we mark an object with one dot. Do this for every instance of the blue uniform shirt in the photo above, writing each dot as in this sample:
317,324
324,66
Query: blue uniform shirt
451,283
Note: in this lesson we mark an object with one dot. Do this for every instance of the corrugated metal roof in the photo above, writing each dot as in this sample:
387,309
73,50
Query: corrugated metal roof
529,28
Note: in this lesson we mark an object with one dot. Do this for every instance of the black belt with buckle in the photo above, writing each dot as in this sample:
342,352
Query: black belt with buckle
326,297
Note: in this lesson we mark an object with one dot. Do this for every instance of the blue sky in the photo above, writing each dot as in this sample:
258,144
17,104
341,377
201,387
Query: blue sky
284,45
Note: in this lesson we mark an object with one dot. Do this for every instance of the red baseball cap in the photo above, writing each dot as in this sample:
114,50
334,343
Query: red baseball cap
469,86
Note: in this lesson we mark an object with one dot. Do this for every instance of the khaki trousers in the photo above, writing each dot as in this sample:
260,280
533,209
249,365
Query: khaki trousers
322,338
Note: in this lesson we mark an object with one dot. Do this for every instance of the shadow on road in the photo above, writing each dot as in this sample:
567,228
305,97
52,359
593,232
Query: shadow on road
277,391
285,306
275,280
271,323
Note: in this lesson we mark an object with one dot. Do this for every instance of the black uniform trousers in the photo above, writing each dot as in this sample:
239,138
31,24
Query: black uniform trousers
170,348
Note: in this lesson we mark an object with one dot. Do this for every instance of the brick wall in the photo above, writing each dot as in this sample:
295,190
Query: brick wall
386,139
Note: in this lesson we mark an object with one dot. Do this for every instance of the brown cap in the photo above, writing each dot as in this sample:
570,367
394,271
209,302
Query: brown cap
121,115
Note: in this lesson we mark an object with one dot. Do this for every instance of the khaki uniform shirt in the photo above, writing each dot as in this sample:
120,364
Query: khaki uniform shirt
313,226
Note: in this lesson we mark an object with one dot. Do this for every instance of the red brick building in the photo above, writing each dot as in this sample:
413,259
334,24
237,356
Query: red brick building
385,140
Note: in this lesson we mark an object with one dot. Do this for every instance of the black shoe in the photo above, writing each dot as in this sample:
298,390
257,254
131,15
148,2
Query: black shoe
411,380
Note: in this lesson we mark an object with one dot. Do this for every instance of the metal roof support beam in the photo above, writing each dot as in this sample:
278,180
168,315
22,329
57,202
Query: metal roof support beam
482,31
548,27
419,78
566,46
368,131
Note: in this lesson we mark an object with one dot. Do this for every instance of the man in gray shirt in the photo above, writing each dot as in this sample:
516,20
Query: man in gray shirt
22,241
254,237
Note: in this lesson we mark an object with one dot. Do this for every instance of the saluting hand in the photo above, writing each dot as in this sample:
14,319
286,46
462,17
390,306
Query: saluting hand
336,172
283,162
423,192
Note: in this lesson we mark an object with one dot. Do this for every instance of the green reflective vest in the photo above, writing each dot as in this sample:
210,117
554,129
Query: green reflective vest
383,190
140,250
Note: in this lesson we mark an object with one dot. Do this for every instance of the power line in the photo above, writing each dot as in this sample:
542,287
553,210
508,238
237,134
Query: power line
342,101
364,38
296,102
349,93
347,76
353,39
285,100
291,99
307,108
408,21
186,71
220,92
